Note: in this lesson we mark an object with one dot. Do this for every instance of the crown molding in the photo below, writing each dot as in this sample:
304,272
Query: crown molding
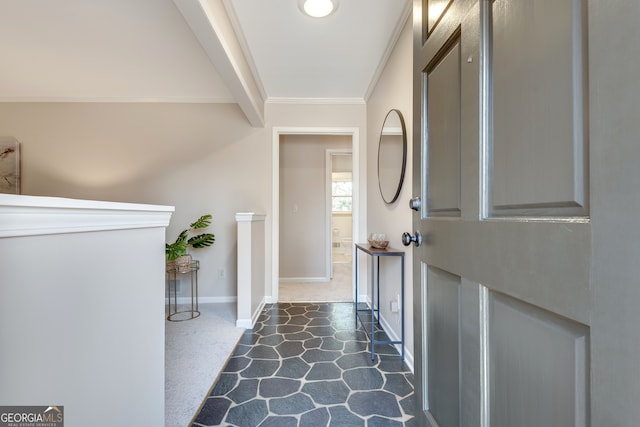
322,101
117,100
393,40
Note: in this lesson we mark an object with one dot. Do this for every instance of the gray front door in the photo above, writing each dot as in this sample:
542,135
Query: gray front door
503,275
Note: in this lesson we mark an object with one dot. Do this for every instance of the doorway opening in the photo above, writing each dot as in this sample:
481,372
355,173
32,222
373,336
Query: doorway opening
339,187
312,244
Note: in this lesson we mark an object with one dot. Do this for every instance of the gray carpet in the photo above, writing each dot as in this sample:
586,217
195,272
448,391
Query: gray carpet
195,353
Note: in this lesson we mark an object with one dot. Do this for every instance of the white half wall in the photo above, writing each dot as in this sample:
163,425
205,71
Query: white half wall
82,308
251,268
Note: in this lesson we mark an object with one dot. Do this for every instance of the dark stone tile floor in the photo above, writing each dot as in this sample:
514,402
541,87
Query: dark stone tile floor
308,365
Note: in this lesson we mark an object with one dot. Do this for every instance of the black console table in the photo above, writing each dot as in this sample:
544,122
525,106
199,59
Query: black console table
374,308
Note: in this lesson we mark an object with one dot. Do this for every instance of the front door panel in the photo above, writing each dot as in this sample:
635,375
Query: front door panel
443,123
501,161
538,365
442,302
538,146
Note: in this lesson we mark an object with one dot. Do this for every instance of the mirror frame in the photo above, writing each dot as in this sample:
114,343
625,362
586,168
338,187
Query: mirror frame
404,156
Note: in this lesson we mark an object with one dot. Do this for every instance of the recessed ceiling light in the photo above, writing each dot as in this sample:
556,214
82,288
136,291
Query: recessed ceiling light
318,8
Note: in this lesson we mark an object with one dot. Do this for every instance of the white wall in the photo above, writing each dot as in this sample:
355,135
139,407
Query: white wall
82,309
303,212
200,158
197,157
394,90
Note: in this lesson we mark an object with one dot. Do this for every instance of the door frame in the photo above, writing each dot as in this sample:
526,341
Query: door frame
275,191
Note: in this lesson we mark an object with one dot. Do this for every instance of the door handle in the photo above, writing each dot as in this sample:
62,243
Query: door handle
415,203
407,238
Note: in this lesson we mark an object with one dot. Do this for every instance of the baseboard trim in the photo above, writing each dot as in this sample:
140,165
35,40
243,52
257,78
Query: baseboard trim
244,323
203,300
393,336
304,279
249,323
408,356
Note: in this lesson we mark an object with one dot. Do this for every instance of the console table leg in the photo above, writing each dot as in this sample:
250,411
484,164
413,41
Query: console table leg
373,320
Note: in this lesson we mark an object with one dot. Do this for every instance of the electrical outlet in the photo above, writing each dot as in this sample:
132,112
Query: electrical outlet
221,273
394,306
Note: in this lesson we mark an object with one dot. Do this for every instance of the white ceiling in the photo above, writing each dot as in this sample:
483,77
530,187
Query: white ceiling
162,50
334,57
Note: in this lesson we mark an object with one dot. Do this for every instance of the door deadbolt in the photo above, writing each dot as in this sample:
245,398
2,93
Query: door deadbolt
407,238
415,203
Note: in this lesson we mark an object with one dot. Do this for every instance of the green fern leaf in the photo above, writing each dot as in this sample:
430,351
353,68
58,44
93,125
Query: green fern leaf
202,222
202,240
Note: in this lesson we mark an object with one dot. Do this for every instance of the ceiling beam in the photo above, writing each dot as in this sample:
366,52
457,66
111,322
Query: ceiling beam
209,21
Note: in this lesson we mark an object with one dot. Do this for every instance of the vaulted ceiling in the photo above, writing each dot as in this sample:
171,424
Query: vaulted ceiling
244,51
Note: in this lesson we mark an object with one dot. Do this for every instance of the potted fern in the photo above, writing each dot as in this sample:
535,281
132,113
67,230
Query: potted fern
177,251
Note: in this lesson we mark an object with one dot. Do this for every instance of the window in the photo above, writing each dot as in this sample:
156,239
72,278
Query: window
341,193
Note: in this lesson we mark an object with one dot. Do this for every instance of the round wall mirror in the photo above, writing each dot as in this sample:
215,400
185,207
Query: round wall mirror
392,156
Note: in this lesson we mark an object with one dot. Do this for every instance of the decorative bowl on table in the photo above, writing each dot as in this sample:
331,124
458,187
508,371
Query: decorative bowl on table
378,241
379,244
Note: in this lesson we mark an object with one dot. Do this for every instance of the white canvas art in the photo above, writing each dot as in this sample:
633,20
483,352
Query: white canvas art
9,166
